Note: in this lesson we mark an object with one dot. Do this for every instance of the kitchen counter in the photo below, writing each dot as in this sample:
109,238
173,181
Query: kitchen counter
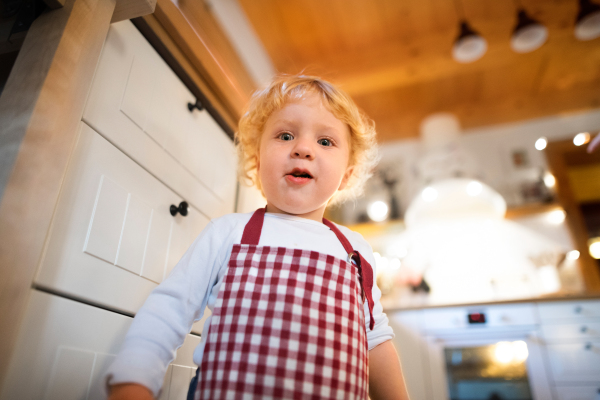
420,301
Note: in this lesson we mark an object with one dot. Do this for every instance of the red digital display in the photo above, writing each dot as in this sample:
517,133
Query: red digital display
477,318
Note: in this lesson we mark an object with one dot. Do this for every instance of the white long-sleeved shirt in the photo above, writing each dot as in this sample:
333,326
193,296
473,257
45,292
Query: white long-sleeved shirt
166,317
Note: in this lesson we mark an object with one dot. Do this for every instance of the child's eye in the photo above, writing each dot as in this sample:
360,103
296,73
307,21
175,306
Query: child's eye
325,142
286,136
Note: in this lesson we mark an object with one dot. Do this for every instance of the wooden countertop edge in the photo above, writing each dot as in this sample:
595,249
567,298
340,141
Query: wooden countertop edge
542,299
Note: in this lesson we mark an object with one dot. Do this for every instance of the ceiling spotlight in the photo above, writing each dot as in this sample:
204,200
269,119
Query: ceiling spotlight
581,138
587,24
469,46
541,143
528,34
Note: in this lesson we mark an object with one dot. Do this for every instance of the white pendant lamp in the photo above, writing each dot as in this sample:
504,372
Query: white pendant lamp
469,46
587,24
528,34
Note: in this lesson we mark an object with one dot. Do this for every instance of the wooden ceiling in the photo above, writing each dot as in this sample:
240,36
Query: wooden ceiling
394,58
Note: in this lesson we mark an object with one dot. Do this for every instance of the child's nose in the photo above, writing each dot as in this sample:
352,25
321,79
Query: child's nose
303,150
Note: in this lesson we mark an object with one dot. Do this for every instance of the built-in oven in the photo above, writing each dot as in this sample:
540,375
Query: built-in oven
492,353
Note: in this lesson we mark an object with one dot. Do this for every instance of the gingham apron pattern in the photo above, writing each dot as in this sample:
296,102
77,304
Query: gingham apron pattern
287,324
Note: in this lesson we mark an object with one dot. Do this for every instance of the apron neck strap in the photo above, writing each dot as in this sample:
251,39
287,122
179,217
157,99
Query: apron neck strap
340,236
254,227
365,270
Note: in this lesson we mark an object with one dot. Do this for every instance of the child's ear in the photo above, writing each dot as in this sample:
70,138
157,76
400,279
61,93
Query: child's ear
346,177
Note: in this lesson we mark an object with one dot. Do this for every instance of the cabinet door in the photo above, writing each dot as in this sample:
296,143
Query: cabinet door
578,392
412,351
113,238
65,347
575,362
138,103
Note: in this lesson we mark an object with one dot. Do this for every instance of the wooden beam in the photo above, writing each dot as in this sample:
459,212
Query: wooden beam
206,53
556,156
128,9
40,111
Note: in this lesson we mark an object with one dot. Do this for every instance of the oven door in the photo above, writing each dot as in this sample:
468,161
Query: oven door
486,364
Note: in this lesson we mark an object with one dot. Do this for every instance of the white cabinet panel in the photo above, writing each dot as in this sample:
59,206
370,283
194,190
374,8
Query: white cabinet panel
133,240
134,235
139,104
107,221
71,374
65,347
574,310
575,362
578,392
583,330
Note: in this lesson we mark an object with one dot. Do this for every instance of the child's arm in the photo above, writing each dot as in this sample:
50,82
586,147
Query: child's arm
385,375
130,391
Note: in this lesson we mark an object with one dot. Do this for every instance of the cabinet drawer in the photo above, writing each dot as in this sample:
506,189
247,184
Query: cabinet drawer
578,392
138,104
575,362
575,310
113,239
65,347
583,330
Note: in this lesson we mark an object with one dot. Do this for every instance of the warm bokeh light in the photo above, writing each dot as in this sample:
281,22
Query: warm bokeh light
429,194
549,180
573,255
594,248
541,143
507,352
378,211
581,138
474,188
556,217
520,351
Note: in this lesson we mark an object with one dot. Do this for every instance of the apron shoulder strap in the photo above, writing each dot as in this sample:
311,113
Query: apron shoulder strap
365,270
254,227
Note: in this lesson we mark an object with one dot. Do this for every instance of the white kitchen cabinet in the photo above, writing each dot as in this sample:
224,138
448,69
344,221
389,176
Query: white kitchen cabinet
113,238
66,347
140,105
578,393
571,332
571,310
412,351
575,362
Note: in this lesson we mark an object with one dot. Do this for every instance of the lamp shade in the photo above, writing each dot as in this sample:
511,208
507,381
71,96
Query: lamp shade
452,199
587,24
469,46
528,34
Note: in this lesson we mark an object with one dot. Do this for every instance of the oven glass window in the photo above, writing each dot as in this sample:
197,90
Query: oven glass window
493,372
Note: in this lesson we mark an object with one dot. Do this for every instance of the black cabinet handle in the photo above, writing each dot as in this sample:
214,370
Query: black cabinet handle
182,209
197,105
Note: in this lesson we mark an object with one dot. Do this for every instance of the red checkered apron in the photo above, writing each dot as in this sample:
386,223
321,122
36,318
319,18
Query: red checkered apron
288,324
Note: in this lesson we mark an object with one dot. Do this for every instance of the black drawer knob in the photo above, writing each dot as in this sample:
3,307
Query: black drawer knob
584,329
192,106
182,209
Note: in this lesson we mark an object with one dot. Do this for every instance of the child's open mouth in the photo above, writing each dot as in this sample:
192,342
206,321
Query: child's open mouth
299,176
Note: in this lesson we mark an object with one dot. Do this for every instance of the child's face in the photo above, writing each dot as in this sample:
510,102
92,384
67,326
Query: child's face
303,159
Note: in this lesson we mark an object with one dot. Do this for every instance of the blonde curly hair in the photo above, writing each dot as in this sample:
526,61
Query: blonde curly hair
286,88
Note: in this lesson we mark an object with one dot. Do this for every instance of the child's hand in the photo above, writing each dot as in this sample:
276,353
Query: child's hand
130,391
